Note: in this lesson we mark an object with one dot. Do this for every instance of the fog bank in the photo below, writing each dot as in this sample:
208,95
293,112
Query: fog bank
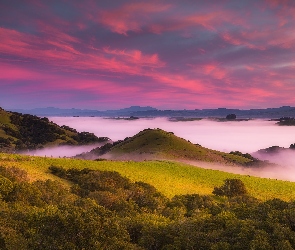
244,136
61,151
285,173
284,157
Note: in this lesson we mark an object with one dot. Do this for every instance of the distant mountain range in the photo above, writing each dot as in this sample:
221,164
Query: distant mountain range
137,111
51,111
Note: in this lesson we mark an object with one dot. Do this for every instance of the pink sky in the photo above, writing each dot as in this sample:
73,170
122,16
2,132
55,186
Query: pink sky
176,54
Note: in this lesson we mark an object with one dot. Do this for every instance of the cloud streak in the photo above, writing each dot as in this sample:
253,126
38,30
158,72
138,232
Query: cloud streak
111,55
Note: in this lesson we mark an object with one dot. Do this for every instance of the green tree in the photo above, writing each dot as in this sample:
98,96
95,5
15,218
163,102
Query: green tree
231,188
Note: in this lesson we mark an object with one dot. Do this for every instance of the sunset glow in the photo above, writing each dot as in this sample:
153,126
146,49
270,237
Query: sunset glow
165,54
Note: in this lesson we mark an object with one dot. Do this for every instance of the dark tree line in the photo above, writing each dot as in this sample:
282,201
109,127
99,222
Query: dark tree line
31,132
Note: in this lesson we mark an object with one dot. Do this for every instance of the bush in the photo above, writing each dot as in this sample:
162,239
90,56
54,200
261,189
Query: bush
231,188
6,186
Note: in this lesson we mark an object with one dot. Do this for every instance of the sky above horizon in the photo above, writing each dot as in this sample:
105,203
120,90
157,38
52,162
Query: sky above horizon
177,54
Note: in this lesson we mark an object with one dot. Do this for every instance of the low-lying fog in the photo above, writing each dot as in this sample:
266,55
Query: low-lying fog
61,151
245,136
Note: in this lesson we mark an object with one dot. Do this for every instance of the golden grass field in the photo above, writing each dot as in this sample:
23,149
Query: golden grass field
170,178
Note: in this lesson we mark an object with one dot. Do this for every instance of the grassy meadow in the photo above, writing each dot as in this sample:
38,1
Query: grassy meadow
170,178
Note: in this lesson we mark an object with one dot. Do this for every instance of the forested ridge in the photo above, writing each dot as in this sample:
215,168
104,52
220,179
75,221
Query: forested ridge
25,132
104,210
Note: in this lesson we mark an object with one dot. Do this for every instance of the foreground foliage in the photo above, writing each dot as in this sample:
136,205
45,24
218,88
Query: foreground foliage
104,210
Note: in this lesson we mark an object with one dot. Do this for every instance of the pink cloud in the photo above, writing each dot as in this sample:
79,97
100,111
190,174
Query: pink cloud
12,41
139,15
210,53
215,70
136,57
12,72
32,47
209,21
61,53
131,16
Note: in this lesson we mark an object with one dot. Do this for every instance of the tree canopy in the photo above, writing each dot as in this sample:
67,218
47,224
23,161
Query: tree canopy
104,210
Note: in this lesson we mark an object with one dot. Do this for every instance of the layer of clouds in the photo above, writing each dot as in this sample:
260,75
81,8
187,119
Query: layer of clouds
61,151
285,172
244,136
285,157
108,55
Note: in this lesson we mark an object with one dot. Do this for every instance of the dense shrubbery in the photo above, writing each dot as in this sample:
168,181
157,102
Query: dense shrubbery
247,155
112,190
104,210
231,188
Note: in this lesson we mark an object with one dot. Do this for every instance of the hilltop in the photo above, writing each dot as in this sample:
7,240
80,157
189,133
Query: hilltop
157,144
26,132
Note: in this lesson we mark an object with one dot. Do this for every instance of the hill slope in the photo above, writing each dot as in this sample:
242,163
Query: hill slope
170,178
21,132
106,210
159,144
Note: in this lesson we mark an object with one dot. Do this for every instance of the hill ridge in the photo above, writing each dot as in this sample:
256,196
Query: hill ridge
26,132
157,144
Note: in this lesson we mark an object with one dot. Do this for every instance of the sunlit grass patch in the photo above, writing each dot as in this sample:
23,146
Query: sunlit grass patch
170,178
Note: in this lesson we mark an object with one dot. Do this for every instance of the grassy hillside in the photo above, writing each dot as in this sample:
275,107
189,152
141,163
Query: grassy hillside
105,210
159,144
20,132
170,178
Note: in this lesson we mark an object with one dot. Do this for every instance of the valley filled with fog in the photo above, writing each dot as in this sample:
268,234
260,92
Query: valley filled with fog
245,136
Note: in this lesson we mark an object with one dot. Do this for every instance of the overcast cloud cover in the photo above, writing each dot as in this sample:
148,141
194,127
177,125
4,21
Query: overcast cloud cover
166,54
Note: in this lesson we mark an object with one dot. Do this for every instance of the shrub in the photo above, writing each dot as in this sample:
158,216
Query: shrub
6,186
231,188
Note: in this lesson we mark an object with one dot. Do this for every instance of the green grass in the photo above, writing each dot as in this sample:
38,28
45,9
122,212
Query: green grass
170,178
4,121
4,117
160,144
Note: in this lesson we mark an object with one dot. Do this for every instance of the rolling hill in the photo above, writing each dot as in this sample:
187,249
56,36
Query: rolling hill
57,203
170,178
25,132
51,203
157,144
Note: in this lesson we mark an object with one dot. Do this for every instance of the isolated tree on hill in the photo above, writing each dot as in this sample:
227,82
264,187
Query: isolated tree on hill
231,188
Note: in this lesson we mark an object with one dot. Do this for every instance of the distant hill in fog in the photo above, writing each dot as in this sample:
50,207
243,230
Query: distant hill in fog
137,111
157,144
